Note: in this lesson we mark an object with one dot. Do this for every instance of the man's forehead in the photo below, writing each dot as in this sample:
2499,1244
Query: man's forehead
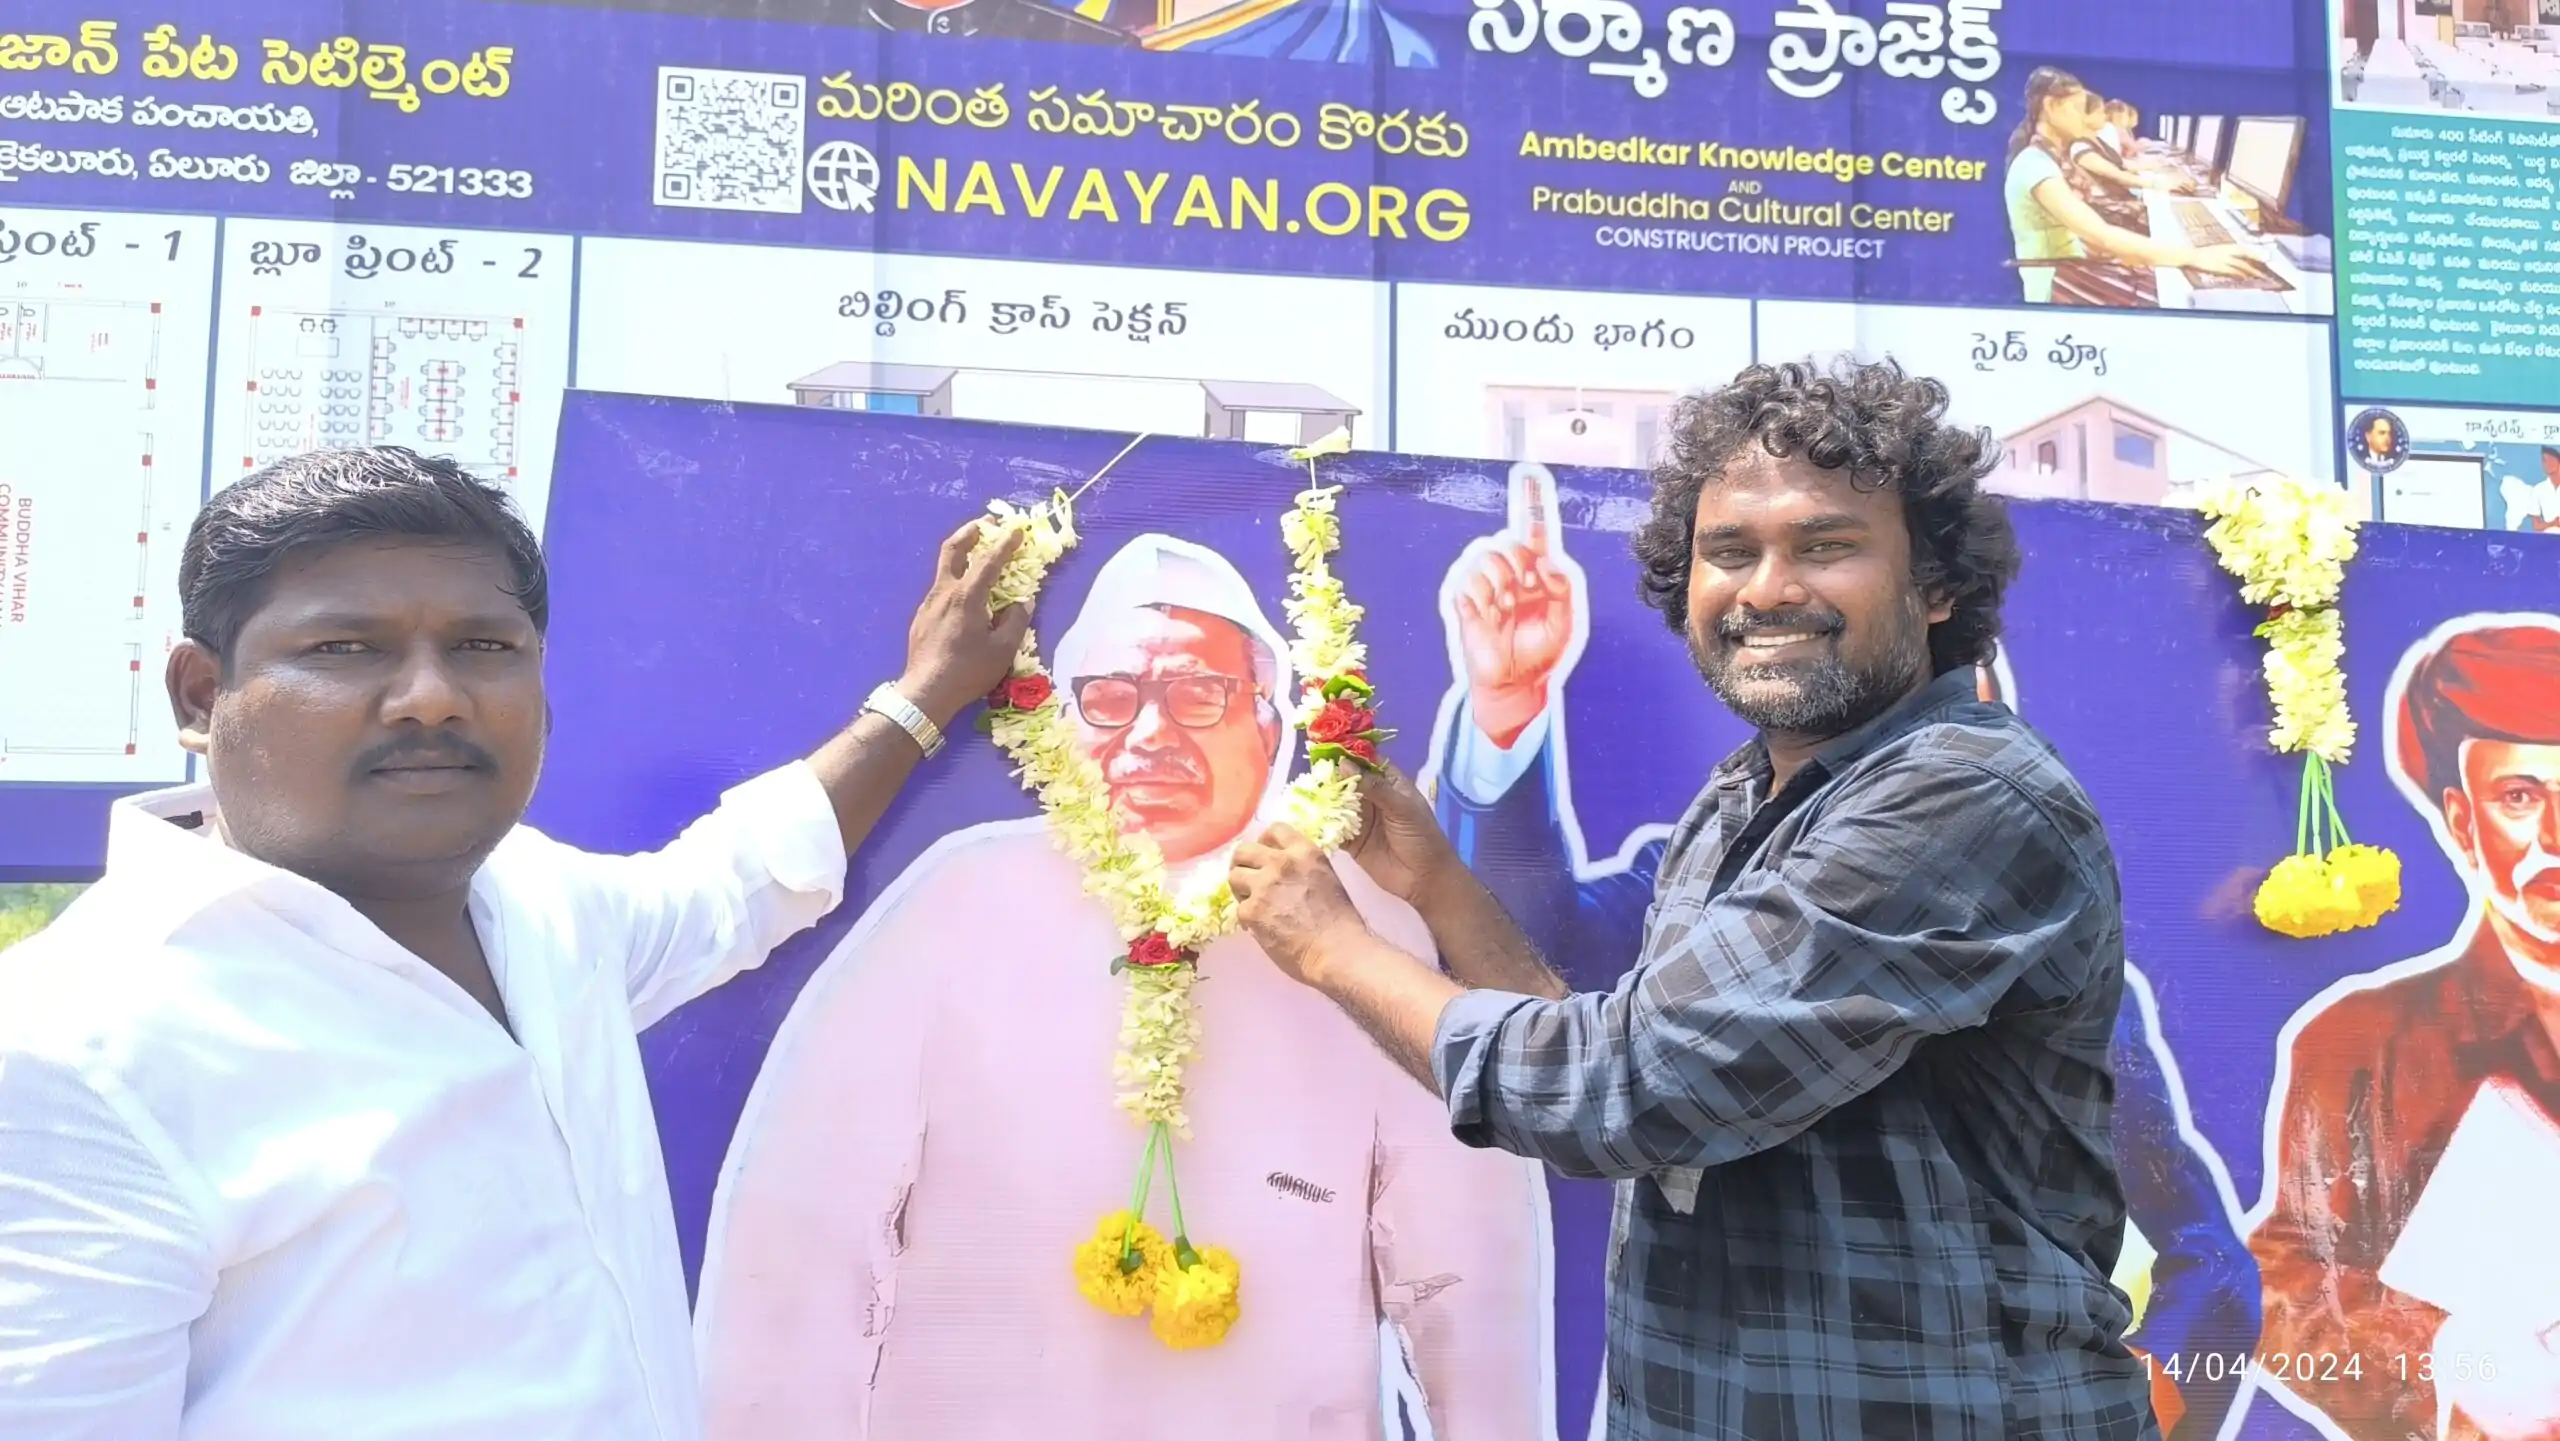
1153,631
1757,487
390,576
2490,760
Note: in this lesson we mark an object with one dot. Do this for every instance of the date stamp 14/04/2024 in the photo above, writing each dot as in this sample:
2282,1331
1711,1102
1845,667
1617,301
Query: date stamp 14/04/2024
2318,1366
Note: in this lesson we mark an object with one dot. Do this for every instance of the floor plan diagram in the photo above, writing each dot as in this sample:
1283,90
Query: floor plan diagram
103,349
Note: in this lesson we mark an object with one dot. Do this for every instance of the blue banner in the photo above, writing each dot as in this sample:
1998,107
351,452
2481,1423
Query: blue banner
2124,643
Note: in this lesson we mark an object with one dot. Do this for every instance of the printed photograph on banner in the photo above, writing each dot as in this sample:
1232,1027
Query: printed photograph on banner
2482,57
2138,409
1166,352
451,343
105,322
1516,611
2412,1140
2475,469
935,1122
1557,377
2124,199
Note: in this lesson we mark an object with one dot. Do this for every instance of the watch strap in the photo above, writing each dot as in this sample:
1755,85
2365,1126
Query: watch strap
887,703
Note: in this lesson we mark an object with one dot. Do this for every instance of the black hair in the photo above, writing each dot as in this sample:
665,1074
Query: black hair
2047,84
1883,427
326,498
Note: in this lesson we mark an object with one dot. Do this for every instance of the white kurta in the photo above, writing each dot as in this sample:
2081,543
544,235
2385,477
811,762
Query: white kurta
266,1176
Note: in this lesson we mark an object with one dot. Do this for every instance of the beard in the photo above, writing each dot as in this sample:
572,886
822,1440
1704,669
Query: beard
1832,690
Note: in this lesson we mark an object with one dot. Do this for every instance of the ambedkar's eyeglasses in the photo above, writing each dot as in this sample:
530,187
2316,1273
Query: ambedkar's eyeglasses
1193,702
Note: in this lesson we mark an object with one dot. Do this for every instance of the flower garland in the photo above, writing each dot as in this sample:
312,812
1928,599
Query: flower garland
2289,542
1127,1267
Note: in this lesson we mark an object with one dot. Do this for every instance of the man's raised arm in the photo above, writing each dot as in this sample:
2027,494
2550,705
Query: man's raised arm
771,860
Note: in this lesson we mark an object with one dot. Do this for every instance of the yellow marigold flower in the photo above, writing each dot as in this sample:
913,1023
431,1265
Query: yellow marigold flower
1122,1267
2374,873
2303,898
1195,1304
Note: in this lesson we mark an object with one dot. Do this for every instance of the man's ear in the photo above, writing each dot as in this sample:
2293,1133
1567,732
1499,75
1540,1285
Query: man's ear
2457,824
194,676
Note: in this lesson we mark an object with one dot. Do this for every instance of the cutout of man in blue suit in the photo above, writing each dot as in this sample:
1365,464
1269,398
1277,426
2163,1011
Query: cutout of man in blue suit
1517,623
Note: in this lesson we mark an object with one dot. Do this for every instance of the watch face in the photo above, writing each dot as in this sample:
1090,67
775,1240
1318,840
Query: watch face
2377,441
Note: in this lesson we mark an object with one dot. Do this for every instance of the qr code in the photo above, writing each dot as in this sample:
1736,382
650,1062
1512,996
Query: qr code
729,140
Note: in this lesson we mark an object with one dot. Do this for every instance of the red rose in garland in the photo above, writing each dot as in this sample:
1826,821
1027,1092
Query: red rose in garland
1339,721
1021,693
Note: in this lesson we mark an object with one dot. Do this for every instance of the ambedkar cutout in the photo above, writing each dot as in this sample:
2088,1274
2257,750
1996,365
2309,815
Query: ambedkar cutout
934,1128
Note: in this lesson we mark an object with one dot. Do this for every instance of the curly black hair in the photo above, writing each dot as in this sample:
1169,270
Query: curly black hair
1885,428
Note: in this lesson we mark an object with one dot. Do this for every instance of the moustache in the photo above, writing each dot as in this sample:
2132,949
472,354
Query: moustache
1780,622
1154,770
2533,865
423,751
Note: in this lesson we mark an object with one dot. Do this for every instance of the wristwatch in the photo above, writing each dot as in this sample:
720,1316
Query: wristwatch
886,703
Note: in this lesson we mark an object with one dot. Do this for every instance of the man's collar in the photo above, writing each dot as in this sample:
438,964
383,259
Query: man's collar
1915,710
1954,688
2494,1001
166,863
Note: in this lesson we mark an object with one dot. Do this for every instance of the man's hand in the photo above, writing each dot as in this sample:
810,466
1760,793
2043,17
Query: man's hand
1514,599
957,651
1289,900
1400,844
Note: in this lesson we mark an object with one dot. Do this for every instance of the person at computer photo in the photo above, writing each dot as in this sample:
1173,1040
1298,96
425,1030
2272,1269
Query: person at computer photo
2124,128
2056,228
2102,158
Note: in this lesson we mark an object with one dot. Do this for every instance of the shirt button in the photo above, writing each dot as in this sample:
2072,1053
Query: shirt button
1617,1395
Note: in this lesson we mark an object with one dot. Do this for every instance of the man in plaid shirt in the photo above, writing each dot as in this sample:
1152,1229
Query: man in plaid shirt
1856,1090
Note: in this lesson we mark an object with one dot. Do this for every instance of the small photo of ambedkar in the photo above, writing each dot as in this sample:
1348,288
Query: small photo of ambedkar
935,1127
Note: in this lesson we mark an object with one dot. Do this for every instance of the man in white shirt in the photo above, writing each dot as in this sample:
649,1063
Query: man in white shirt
321,1115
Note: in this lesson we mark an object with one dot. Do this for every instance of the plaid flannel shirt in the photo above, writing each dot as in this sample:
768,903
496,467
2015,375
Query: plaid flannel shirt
1856,1095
